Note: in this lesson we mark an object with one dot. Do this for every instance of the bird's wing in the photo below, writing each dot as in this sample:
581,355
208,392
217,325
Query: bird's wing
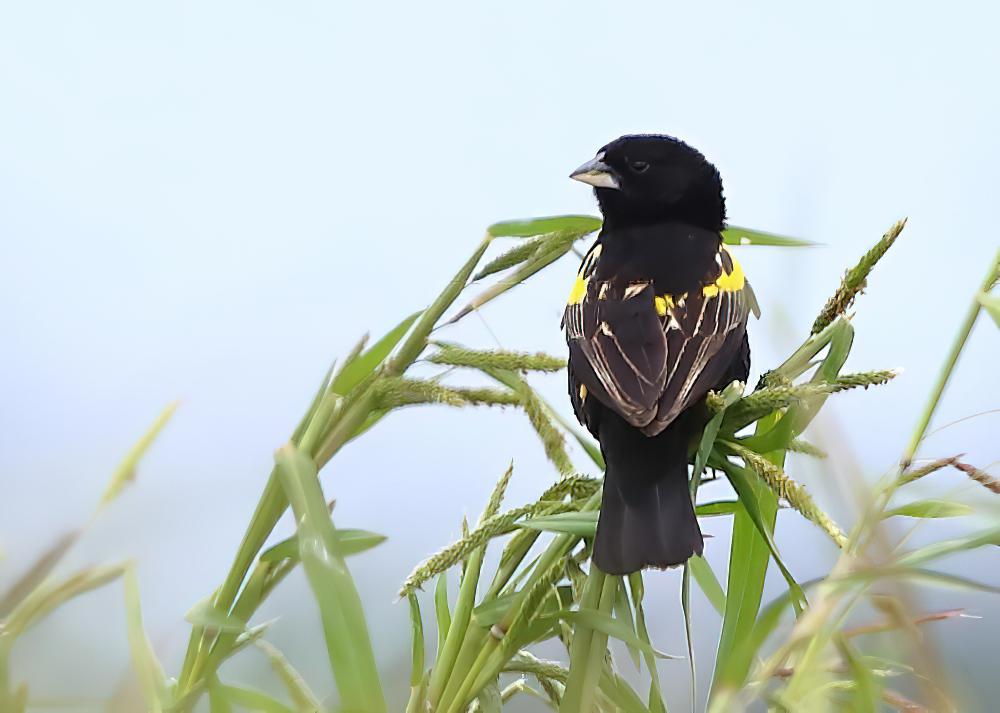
647,356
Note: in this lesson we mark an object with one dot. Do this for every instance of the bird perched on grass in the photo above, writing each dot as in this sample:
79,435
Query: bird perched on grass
656,318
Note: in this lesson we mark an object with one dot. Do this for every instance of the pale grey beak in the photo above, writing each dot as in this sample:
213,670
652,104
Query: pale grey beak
597,173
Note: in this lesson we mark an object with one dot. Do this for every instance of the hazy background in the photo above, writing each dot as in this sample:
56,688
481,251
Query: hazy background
209,201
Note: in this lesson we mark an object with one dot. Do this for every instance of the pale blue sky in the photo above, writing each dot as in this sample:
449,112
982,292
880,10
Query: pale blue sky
209,201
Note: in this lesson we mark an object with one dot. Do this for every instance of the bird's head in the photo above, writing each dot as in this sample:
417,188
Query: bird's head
643,179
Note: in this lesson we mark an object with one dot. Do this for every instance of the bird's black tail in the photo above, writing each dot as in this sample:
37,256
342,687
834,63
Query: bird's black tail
647,518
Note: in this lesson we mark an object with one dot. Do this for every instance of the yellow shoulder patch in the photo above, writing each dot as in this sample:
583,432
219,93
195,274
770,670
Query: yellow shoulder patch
579,290
727,282
663,303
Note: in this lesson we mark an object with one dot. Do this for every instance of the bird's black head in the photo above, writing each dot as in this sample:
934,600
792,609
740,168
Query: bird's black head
643,179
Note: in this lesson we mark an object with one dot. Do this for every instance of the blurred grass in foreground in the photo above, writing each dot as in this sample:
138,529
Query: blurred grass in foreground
543,588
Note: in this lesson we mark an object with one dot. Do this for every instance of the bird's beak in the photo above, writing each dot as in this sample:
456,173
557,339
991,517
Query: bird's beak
597,173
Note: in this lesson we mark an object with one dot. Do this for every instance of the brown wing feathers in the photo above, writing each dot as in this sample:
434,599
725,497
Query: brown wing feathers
647,356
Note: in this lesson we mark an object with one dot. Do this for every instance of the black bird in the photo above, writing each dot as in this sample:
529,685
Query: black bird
656,318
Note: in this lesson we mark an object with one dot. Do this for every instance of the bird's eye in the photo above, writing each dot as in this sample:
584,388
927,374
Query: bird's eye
639,166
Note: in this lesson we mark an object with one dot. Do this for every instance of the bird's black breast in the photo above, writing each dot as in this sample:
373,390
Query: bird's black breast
676,257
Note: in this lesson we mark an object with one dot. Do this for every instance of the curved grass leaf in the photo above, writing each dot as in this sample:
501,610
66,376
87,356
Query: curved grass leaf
623,614
251,700
866,693
717,508
298,690
37,572
583,224
599,621
341,610
441,611
991,303
705,577
616,690
349,540
930,508
637,592
217,701
530,227
204,614
948,547
417,656
759,502
736,235
581,524
355,370
147,667
51,594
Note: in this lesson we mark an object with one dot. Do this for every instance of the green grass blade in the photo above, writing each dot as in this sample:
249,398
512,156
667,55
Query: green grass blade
748,559
530,227
717,508
417,654
991,303
958,345
614,688
930,508
205,615
637,592
52,594
417,339
354,372
587,651
304,700
350,541
441,611
147,668
341,610
623,614
734,668
759,502
867,691
947,547
584,224
736,235
582,524
729,395
708,583
251,700
595,620
217,701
